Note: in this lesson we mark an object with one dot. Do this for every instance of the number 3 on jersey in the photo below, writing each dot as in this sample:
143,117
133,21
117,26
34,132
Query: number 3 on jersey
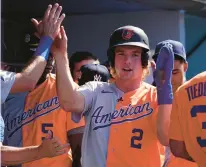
194,111
135,139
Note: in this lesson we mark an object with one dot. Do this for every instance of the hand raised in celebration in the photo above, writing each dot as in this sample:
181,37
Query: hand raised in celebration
59,47
163,74
50,25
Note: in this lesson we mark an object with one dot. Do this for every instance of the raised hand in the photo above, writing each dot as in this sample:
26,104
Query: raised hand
52,147
50,25
163,74
59,46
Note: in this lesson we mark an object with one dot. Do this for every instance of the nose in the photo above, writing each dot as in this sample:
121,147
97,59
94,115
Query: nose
127,59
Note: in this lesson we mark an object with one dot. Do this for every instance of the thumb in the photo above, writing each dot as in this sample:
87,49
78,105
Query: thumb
153,65
35,22
49,135
63,33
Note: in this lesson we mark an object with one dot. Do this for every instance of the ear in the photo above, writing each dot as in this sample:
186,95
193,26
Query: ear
185,66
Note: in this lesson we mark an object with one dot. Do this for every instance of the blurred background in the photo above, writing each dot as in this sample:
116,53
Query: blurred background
89,24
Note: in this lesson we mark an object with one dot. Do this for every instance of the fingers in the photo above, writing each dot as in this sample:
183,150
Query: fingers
163,57
57,14
47,12
49,135
60,146
35,22
53,11
59,21
63,33
153,65
60,152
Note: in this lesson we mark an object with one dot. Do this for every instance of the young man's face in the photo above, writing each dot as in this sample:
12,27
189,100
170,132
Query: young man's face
77,67
128,64
178,74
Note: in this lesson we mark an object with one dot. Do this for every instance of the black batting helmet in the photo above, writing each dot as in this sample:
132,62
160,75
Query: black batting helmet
18,42
130,36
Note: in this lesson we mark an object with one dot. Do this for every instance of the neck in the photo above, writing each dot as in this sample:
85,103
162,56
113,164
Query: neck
128,85
42,79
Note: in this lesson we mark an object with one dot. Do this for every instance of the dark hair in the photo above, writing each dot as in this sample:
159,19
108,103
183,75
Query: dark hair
78,57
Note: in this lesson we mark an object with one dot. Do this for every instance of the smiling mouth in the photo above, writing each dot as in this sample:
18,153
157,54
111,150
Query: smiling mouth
127,69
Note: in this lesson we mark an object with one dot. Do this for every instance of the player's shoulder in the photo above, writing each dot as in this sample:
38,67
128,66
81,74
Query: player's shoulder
96,84
201,77
6,74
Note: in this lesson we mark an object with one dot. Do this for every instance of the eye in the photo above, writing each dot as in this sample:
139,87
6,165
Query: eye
120,54
135,55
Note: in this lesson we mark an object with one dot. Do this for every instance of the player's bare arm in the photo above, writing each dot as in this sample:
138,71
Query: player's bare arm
162,77
178,149
50,147
47,30
69,98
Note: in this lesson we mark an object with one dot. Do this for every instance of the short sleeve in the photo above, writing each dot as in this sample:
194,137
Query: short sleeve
72,127
7,81
174,129
1,129
89,91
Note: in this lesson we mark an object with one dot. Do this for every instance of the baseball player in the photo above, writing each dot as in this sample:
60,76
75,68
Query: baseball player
187,128
11,82
89,72
178,78
124,119
77,60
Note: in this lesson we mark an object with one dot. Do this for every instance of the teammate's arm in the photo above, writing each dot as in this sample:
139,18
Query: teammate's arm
69,98
163,121
178,149
163,74
27,79
176,141
48,148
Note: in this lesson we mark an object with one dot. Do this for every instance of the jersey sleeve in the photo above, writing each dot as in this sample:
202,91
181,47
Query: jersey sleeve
72,127
174,129
89,91
7,81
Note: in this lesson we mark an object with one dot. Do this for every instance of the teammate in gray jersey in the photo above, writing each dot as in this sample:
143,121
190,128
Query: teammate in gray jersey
26,80
128,55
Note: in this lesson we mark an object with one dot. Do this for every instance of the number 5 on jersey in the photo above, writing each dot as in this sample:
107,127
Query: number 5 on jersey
45,129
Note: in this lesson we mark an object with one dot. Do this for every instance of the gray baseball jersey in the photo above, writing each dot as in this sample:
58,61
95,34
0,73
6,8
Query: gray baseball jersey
7,81
100,102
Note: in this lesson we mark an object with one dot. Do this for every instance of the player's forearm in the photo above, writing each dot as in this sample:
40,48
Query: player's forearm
15,155
163,121
28,78
66,87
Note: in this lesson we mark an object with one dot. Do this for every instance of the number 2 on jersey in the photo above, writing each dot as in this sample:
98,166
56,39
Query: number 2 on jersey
45,128
194,111
135,139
